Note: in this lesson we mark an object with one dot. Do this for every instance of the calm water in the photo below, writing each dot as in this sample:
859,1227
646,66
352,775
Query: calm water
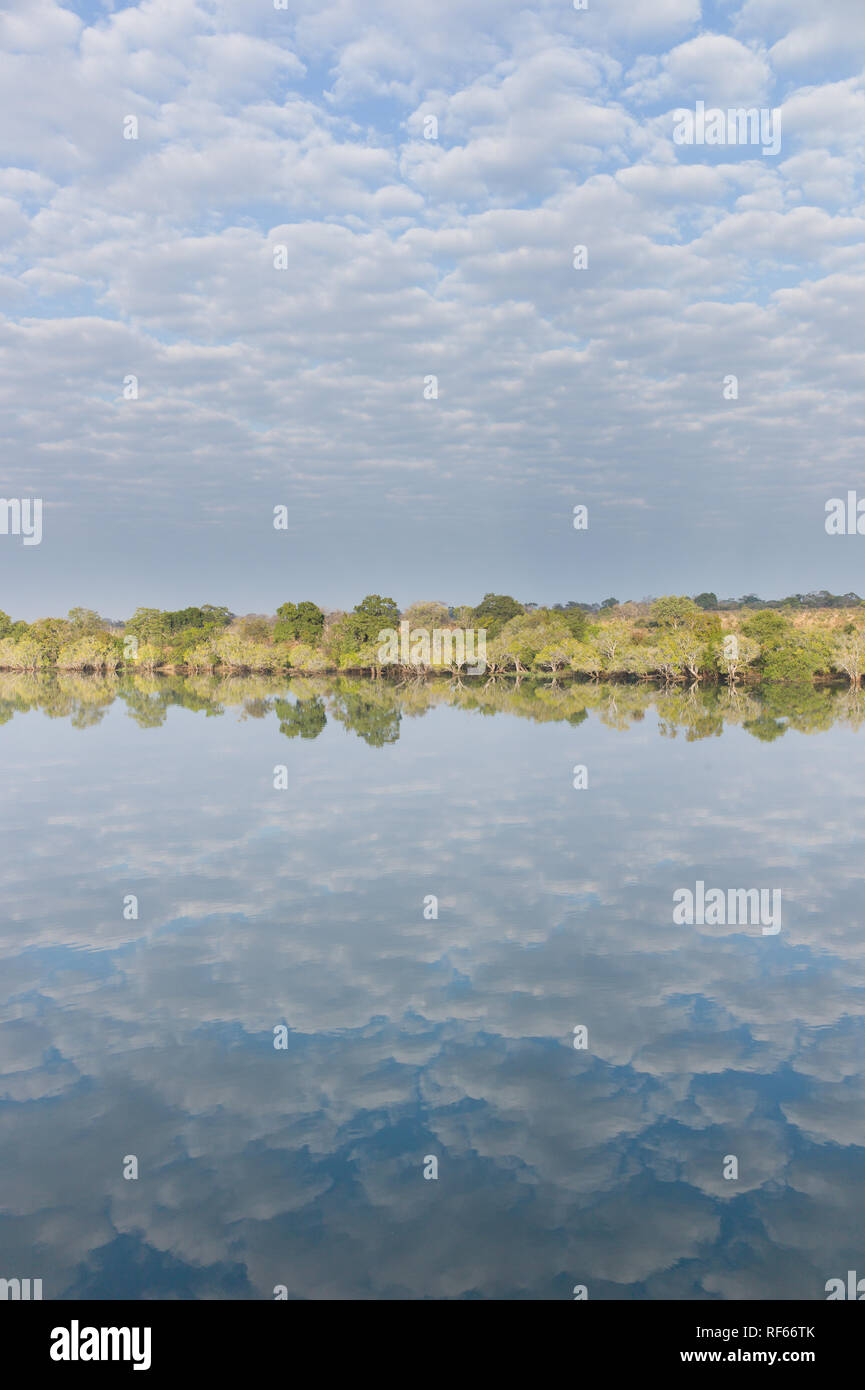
410,1036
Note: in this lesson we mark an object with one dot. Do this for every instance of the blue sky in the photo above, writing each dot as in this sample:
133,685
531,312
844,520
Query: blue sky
410,257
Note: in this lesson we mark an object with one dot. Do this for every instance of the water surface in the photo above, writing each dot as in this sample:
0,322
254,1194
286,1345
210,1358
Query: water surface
411,1036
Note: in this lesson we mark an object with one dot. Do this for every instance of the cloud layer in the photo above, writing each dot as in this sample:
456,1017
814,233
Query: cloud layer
407,257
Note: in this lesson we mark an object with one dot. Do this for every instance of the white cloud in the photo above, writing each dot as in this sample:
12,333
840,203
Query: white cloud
714,68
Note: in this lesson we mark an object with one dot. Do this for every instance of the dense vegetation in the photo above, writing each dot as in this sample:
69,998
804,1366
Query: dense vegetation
374,710
672,640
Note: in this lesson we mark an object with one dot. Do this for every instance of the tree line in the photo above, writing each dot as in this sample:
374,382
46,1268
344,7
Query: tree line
672,640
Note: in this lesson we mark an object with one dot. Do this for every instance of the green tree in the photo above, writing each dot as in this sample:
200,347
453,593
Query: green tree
557,653
586,660
94,651
494,610
48,635
734,653
252,627
674,612
696,655
428,614
155,625
613,640
520,640
148,625
849,655
84,622
369,617
799,658
221,617
673,653
768,627
575,621
299,622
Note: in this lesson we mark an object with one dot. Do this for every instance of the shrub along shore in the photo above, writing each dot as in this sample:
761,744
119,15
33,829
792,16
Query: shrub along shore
674,640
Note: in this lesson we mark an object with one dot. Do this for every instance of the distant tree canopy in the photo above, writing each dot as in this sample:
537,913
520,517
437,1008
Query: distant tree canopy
817,598
494,610
299,622
151,624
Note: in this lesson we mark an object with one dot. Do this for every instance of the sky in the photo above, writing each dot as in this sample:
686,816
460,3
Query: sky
413,250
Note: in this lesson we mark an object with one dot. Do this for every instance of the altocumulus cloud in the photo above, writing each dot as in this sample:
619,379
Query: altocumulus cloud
408,256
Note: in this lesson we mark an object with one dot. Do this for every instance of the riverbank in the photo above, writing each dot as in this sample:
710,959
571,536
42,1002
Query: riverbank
672,641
